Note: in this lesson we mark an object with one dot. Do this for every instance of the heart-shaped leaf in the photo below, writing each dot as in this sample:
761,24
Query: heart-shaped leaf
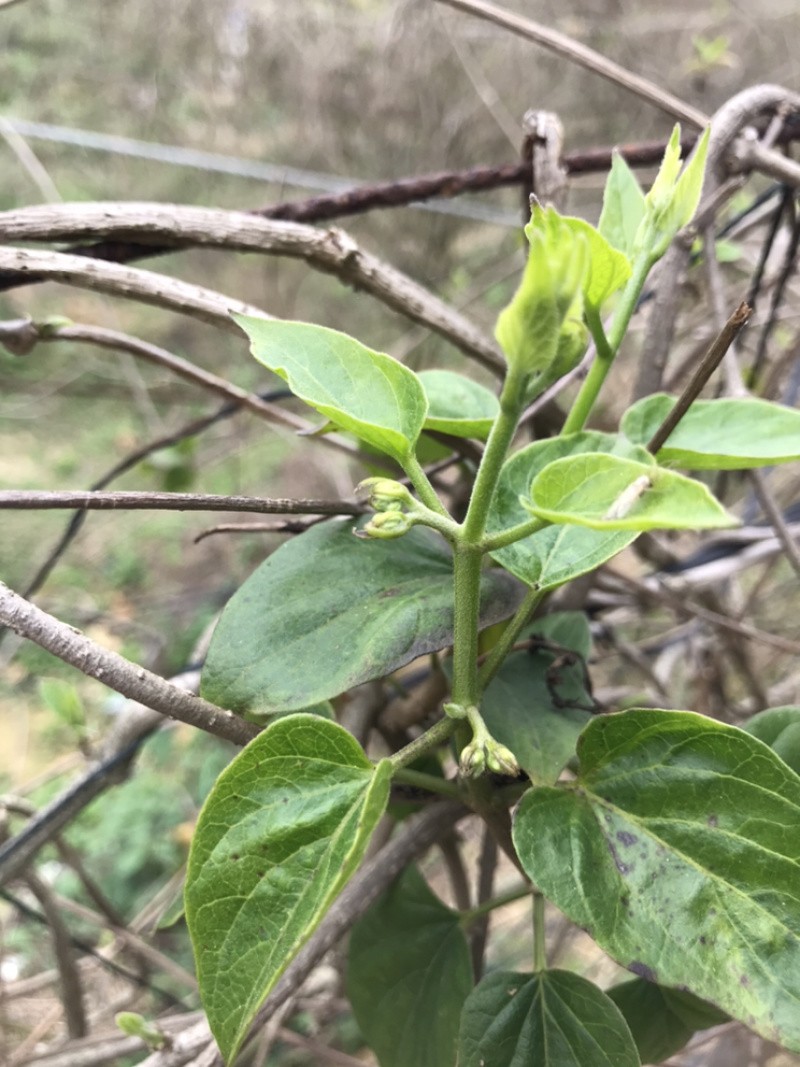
729,434
550,1019
328,611
457,405
281,832
607,492
556,554
408,975
365,392
678,850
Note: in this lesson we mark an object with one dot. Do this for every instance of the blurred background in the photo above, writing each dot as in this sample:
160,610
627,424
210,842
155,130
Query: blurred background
224,103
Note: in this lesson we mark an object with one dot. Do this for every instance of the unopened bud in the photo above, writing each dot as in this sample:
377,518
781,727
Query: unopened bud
386,524
384,494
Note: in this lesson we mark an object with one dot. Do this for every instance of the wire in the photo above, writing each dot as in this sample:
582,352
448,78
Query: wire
275,174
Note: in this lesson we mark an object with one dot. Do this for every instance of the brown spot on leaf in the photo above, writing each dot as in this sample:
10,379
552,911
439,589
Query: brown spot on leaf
643,971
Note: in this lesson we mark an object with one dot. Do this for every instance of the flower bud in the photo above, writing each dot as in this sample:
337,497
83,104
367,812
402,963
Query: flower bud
386,525
384,494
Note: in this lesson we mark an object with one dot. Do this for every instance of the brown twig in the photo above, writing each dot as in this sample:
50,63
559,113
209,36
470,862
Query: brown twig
118,673
683,605
709,363
578,53
69,977
290,527
31,500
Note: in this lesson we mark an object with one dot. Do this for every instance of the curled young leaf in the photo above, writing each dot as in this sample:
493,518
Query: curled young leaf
541,331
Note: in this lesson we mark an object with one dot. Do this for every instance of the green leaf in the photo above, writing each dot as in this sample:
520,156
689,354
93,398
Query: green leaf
408,975
686,195
671,201
678,850
727,434
537,331
550,1019
623,207
610,493
780,729
457,405
365,392
556,554
608,268
280,834
328,611
657,1031
539,701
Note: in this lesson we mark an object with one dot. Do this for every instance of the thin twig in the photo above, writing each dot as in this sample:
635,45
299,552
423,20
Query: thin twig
775,516
70,981
570,49
705,369
183,368
292,526
28,500
684,605
113,670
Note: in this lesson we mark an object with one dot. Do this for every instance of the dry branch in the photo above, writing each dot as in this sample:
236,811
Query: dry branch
131,283
27,500
331,251
578,53
117,672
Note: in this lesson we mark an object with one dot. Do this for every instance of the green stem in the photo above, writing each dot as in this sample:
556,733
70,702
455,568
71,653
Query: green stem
424,489
607,347
420,780
513,533
508,638
503,430
437,735
467,561
539,946
471,916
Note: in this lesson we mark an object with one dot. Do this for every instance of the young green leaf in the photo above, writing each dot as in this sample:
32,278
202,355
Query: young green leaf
623,207
541,332
365,392
671,201
556,554
457,405
535,710
610,493
550,1019
280,834
728,434
328,611
678,850
608,268
780,729
408,975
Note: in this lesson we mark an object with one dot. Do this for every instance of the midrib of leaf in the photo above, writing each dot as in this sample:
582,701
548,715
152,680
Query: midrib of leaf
327,849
